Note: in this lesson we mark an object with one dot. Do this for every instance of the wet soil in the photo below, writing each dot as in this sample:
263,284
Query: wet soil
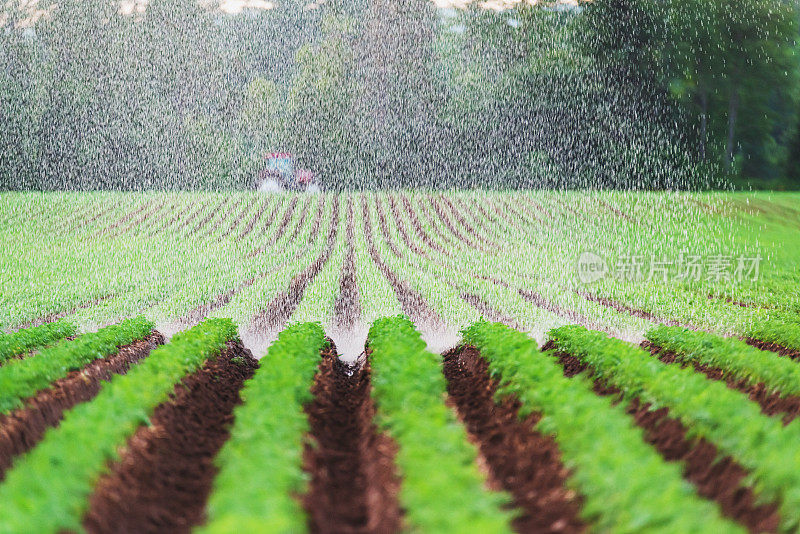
794,354
347,307
280,308
22,429
412,303
715,476
164,476
771,403
354,483
521,460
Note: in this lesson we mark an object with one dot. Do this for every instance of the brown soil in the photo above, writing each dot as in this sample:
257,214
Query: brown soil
387,235
184,223
280,308
740,303
164,476
412,303
127,217
85,220
317,219
617,212
251,224
772,403
287,216
523,461
303,216
354,483
53,317
23,428
538,300
223,206
226,213
624,308
140,220
347,308
794,354
715,477
415,224
488,311
446,238
236,220
444,217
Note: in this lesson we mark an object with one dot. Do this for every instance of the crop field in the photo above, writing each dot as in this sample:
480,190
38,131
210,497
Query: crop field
400,362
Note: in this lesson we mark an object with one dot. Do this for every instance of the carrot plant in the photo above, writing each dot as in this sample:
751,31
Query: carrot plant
261,464
47,489
626,484
729,354
442,490
21,379
708,408
20,342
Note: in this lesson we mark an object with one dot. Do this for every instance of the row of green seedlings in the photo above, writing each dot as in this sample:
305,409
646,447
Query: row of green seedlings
733,356
709,409
261,468
23,341
47,489
625,484
21,379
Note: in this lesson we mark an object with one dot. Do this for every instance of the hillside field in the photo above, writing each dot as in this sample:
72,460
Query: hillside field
401,361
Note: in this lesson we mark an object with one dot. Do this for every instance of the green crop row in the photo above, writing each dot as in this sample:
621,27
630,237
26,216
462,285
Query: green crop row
442,490
21,379
627,486
729,354
708,408
781,332
20,342
261,464
47,489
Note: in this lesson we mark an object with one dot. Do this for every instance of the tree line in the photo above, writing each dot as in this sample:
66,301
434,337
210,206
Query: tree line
381,93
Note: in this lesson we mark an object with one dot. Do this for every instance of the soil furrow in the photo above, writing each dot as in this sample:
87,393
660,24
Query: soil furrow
412,303
221,218
279,231
302,220
163,478
444,217
251,224
127,217
280,308
521,460
416,225
624,308
716,477
401,228
317,219
772,403
23,428
794,354
162,207
354,483
347,308
182,218
384,227
53,317
236,220
488,311
205,219
538,300
435,224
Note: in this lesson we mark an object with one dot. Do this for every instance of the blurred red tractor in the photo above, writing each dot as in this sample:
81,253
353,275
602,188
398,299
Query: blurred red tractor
280,174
